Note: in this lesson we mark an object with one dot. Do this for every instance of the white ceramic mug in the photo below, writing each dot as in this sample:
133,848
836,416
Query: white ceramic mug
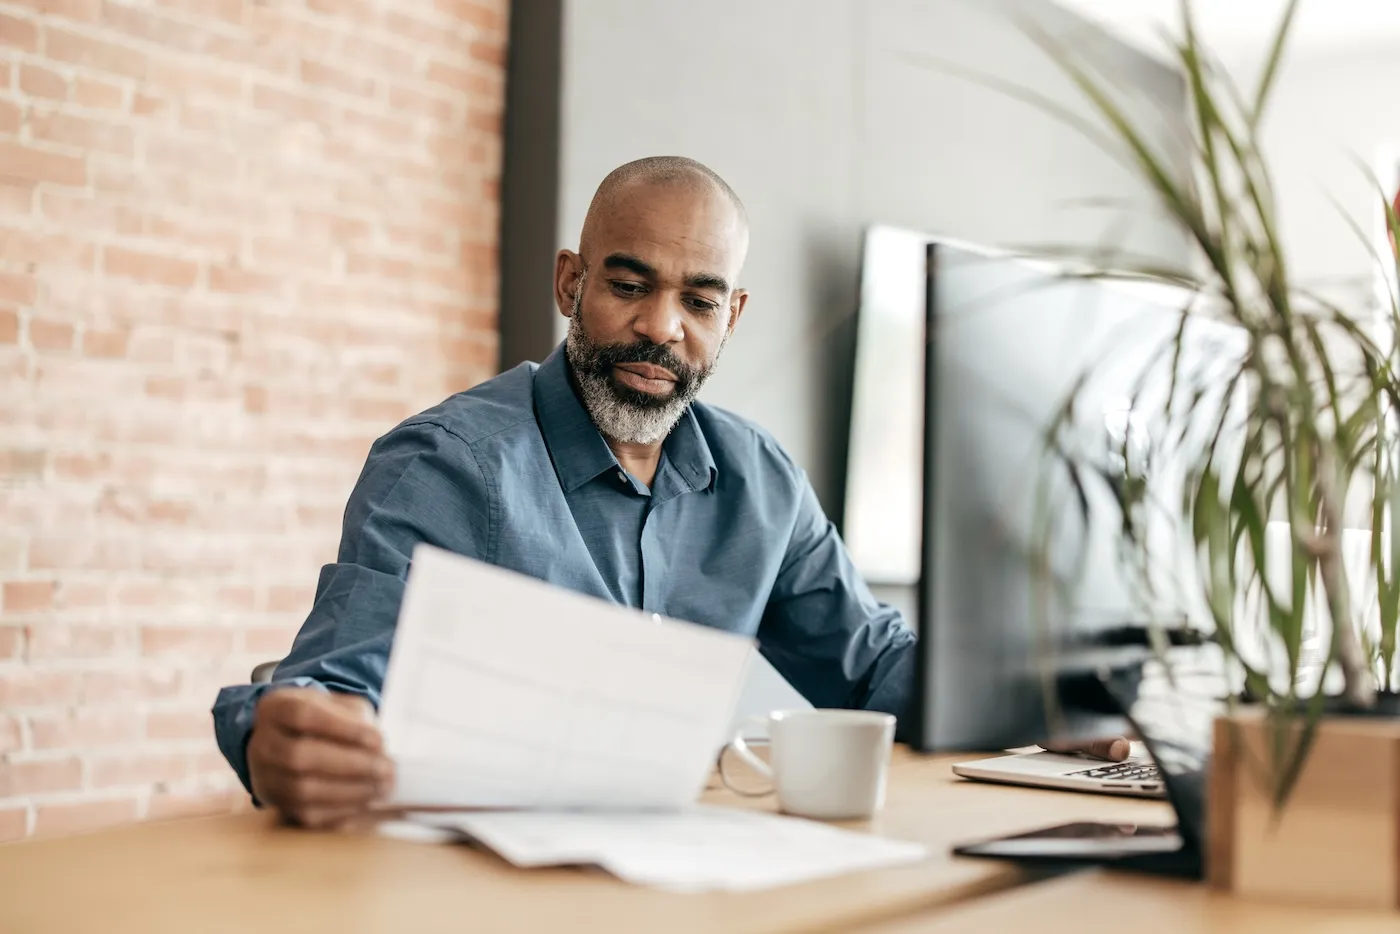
826,764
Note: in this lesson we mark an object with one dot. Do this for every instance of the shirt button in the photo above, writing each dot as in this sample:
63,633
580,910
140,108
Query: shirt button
622,476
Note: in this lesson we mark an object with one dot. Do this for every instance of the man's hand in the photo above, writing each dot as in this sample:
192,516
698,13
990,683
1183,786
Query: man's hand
317,757
1115,749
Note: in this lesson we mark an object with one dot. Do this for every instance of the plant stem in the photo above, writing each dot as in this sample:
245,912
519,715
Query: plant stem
1359,683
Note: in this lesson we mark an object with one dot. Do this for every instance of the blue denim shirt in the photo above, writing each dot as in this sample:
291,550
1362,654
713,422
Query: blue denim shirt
514,473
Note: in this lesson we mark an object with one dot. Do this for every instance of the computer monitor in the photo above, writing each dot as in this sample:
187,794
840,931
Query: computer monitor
964,355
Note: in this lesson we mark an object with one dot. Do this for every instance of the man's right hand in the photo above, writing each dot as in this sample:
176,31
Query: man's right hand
317,757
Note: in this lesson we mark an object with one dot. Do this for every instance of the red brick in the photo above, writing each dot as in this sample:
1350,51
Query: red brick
105,343
483,16
31,687
318,74
414,102
61,640
11,739
179,724
91,92
10,116
358,11
79,49
27,597
235,280
49,250
55,820
269,642
16,33
38,81
298,106
12,642
149,267
85,728
230,11
172,805
9,326
18,289
83,132
186,641
14,823
82,553
41,166
105,687
51,336
139,769
388,59
83,10
40,776
488,53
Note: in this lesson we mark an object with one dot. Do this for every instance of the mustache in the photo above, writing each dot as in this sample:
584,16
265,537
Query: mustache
610,355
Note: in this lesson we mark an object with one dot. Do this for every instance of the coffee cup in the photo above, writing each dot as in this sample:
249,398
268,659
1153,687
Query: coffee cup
824,764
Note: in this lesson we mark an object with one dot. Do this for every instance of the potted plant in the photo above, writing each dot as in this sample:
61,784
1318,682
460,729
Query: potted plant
1289,465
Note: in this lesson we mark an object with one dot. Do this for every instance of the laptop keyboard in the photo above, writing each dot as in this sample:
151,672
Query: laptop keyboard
1123,772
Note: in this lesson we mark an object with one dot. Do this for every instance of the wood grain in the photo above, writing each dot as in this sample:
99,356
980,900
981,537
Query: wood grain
246,874
1139,904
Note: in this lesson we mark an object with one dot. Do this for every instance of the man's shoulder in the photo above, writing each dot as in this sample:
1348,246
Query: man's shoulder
741,440
487,410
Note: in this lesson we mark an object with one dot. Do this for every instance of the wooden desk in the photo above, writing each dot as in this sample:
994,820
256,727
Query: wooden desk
1140,904
244,874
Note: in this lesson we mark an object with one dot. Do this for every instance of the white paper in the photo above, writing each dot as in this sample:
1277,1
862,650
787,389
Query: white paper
699,849
505,692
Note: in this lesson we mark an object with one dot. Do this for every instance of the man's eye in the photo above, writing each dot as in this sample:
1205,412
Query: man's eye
629,289
700,305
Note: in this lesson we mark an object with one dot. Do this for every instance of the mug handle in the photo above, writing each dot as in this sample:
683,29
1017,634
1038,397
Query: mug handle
741,749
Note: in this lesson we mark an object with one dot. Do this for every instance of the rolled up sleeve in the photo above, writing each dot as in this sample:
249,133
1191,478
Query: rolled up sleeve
421,483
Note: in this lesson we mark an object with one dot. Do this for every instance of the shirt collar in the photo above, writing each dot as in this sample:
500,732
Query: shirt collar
579,451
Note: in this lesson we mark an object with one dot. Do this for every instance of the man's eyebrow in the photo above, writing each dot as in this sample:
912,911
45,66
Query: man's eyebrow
630,263
707,280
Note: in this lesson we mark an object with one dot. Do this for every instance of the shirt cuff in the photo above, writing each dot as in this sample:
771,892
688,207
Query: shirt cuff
235,711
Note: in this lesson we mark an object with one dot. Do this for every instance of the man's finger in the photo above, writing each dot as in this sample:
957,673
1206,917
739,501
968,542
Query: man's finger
305,792
1114,749
314,713
306,755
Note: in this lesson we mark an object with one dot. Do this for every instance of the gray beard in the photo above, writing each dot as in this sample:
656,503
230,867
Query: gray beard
615,417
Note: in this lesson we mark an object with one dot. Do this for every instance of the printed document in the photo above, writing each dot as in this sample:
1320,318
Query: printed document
700,849
505,692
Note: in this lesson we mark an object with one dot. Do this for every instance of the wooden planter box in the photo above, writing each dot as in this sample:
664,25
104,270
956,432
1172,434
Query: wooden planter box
1337,841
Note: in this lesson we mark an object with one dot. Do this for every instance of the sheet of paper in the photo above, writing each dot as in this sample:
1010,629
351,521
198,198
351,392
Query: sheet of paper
698,849
505,692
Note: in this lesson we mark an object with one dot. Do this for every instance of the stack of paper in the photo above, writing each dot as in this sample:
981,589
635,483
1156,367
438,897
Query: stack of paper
595,725
505,692
700,849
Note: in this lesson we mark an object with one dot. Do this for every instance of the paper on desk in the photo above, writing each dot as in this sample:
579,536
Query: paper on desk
698,849
505,692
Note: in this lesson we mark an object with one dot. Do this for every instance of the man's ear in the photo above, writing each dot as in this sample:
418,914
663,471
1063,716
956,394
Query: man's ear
737,301
568,279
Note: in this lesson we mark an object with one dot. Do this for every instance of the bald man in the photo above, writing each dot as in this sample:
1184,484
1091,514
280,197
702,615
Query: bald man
595,470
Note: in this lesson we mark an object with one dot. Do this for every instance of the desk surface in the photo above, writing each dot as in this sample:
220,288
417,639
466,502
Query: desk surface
245,874
1142,905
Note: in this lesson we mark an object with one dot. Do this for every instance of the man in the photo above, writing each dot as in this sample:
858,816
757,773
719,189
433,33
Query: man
596,471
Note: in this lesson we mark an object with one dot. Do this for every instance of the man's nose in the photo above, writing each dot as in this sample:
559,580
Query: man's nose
660,320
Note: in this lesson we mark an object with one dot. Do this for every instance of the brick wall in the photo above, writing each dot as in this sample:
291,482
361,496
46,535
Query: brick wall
239,239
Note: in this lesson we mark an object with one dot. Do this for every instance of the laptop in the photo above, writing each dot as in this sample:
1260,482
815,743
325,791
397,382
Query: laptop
1137,776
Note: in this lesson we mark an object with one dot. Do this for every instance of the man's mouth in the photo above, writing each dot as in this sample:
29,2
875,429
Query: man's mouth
644,377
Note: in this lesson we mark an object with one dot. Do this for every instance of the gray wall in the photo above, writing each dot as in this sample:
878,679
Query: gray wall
817,115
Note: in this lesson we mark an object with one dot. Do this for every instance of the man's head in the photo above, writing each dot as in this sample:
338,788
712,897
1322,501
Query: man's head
651,293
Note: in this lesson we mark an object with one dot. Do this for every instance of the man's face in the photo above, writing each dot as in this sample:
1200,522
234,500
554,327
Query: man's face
652,302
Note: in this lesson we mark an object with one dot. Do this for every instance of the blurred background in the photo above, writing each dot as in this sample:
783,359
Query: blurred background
240,239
